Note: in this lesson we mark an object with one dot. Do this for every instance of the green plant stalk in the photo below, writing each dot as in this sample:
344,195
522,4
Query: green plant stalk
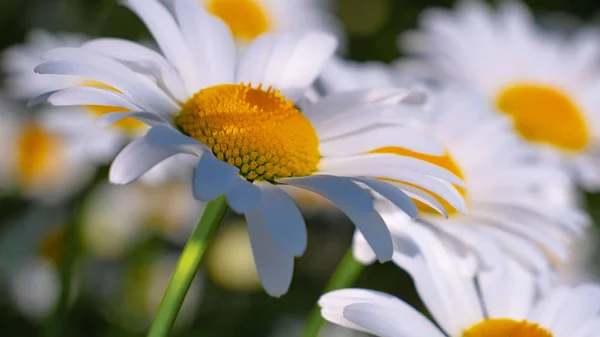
187,267
346,274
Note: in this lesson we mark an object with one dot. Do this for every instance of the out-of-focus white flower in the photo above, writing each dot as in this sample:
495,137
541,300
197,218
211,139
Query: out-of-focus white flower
249,19
515,198
500,302
546,82
41,159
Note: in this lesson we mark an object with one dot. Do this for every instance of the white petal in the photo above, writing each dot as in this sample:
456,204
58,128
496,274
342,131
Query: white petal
164,136
91,96
393,194
243,196
581,306
136,159
423,197
275,266
356,203
508,291
145,57
379,137
283,218
147,118
378,313
210,42
154,99
213,177
126,80
385,166
290,63
167,34
361,250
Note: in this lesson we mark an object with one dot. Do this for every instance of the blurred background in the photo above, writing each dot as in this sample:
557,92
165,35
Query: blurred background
95,261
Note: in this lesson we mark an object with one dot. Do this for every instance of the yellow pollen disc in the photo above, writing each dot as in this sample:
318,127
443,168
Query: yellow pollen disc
246,18
444,161
544,114
258,131
129,125
39,156
506,328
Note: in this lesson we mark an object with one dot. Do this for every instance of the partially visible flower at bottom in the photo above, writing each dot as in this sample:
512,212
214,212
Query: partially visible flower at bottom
239,116
502,302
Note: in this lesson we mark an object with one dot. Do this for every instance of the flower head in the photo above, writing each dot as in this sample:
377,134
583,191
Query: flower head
543,82
522,202
501,302
239,116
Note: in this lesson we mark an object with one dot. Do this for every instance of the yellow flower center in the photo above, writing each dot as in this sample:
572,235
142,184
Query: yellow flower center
506,328
40,155
544,114
246,18
258,131
445,161
128,124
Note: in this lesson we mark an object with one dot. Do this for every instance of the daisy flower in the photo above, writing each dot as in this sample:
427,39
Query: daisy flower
546,83
238,115
248,19
503,302
524,203
40,158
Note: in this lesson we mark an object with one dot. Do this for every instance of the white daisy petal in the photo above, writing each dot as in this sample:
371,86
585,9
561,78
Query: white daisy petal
376,313
212,177
377,138
393,194
167,34
275,266
356,204
91,96
283,218
163,136
136,159
210,42
147,118
148,93
286,62
376,165
243,196
147,59
423,197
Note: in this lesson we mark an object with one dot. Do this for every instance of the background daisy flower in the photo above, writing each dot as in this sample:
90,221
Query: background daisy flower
545,82
40,160
462,302
237,116
248,19
524,203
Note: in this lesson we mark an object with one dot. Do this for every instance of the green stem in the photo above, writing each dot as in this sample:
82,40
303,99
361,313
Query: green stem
346,274
187,266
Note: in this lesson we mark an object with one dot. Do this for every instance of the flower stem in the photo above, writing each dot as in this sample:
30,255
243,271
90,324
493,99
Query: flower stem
187,266
346,274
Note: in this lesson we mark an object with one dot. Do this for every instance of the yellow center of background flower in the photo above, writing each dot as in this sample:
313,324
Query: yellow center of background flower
258,131
445,161
246,18
506,328
40,155
128,124
545,115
